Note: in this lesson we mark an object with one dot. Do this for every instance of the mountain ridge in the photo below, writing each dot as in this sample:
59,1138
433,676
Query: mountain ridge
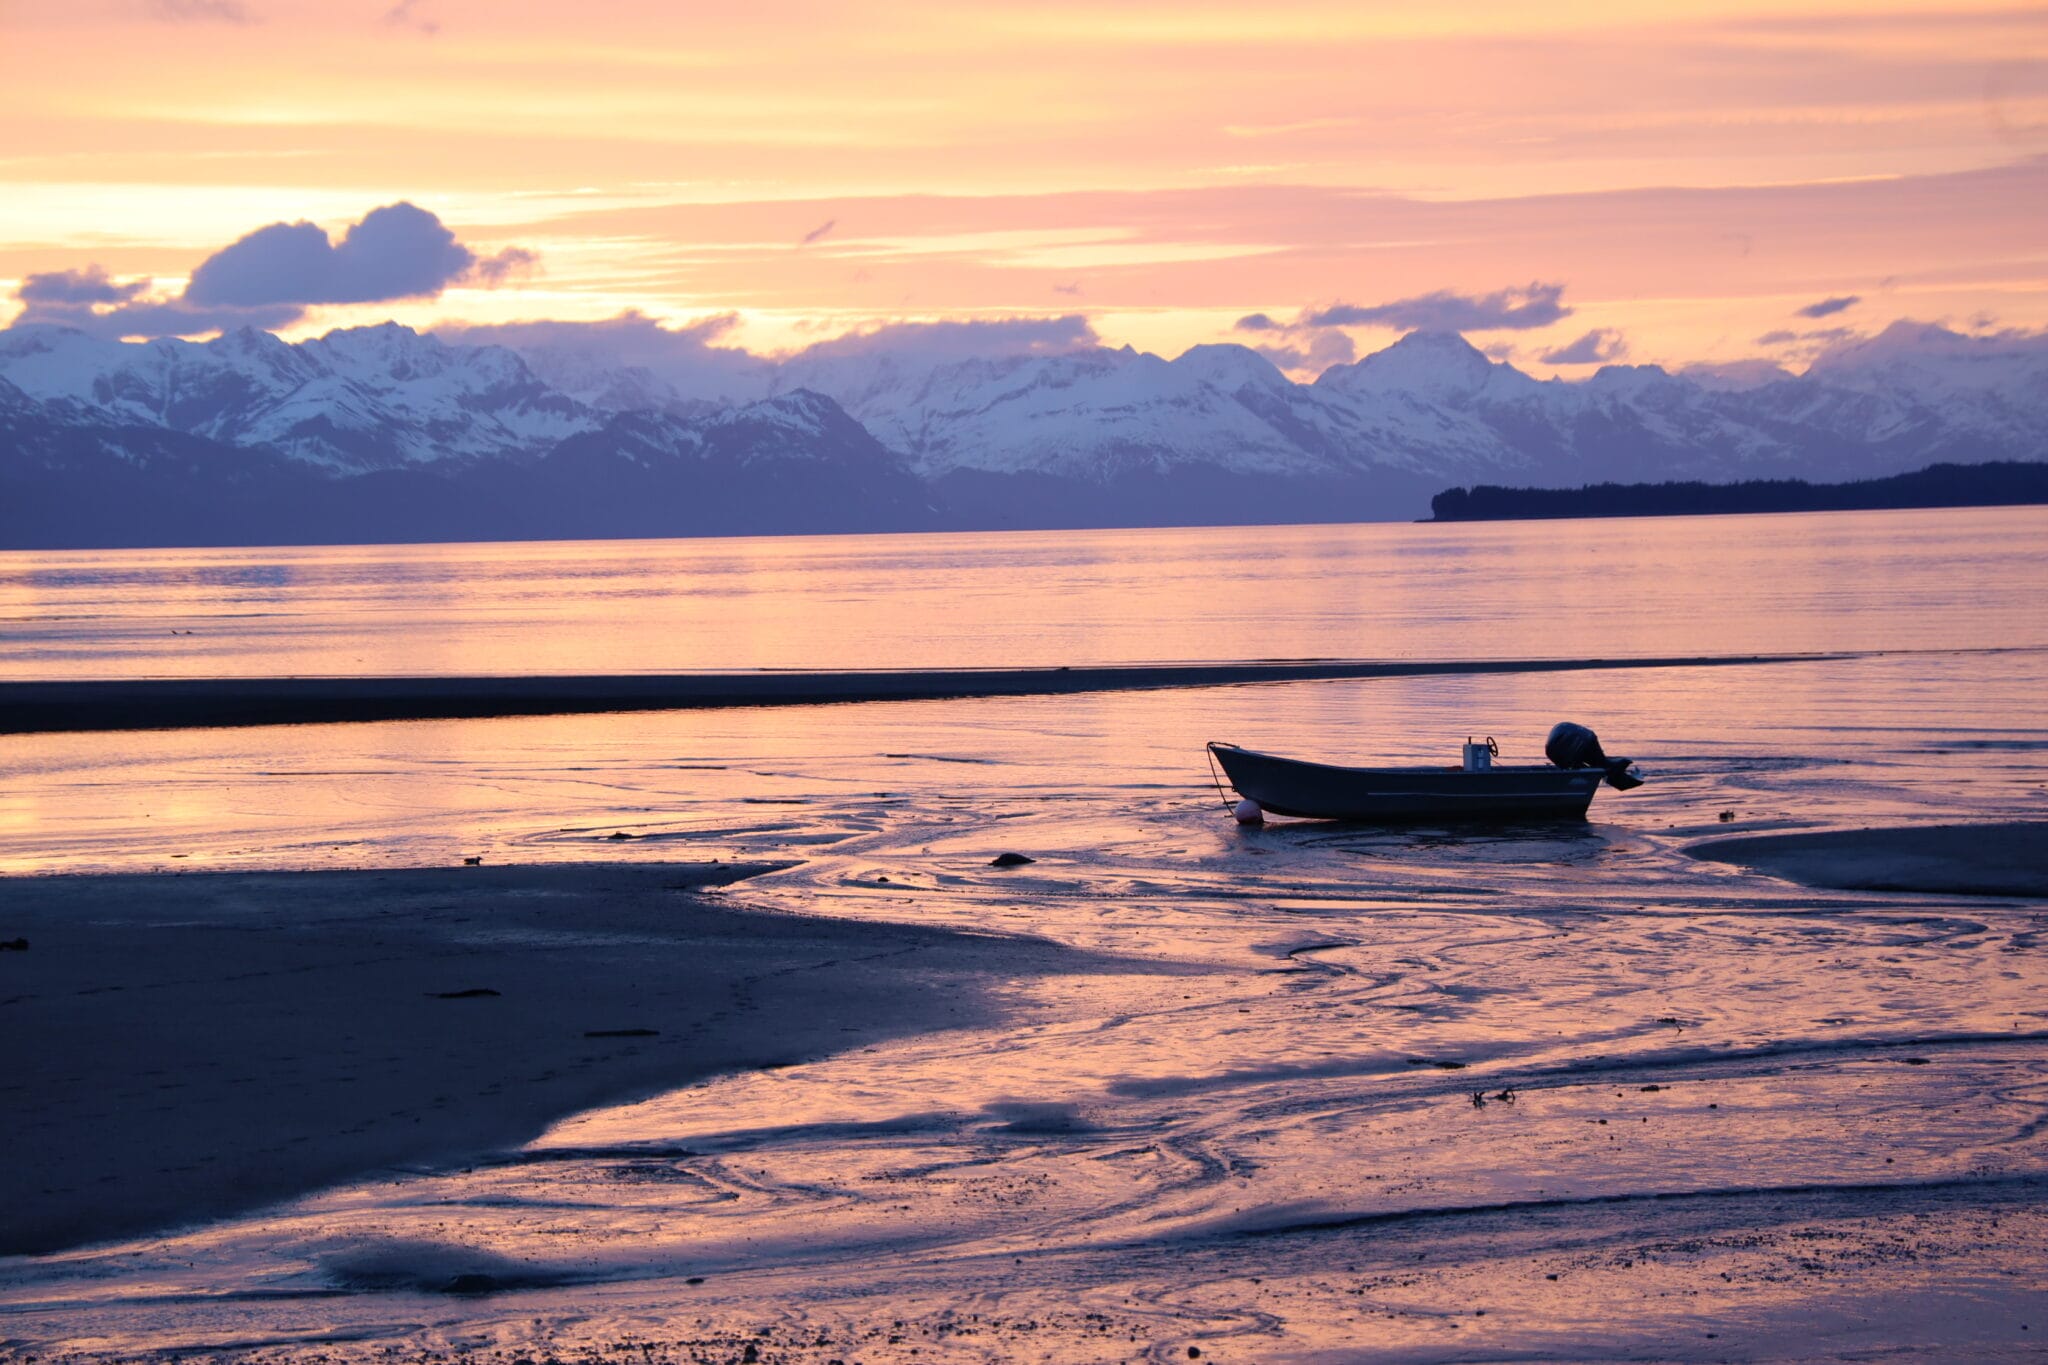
853,436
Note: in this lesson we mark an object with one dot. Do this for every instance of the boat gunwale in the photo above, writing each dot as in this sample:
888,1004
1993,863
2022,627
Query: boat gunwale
1410,770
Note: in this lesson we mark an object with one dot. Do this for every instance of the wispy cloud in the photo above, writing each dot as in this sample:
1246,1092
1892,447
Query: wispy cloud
818,233
1797,346
1826,336
1831,306
513,263
202,12
406,14
1305,125
1598,346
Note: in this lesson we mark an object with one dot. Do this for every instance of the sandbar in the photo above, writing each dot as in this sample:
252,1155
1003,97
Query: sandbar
181,1047
1968,860
28,707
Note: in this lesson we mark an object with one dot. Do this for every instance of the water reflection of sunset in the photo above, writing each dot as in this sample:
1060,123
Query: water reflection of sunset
1559,590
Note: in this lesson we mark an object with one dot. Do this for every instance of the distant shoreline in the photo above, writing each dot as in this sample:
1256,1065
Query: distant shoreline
190,703
1995,484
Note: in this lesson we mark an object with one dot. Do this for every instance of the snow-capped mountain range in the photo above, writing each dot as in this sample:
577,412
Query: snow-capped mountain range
373,432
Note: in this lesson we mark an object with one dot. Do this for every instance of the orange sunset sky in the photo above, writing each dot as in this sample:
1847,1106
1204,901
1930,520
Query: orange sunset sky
1688,176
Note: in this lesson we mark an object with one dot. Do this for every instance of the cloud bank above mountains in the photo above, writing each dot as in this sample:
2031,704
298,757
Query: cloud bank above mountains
1314,339
271,277
287,275
1445,310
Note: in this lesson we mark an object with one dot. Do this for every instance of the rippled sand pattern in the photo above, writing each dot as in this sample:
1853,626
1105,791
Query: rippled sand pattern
1523,1093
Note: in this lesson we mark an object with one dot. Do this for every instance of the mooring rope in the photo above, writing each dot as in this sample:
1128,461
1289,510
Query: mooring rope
1217,778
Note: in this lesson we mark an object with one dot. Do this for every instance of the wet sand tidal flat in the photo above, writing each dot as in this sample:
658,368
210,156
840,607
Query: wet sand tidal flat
183,1048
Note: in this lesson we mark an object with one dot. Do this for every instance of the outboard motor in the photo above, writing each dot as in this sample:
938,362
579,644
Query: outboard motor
1574,746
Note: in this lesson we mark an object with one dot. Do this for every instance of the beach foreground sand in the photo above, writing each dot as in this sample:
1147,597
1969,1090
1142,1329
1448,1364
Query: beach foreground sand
181,1047
1967,860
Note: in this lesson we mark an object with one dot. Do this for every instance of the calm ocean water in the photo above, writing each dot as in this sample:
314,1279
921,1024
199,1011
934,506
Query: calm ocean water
1829,581
1717,1148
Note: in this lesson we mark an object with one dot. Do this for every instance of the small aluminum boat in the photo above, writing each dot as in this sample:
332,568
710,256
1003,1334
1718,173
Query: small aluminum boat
1323,791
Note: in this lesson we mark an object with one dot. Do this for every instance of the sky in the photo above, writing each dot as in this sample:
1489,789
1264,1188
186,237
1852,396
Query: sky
1569,183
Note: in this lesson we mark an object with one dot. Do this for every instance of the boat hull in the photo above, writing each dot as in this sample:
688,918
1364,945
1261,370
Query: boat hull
1322,791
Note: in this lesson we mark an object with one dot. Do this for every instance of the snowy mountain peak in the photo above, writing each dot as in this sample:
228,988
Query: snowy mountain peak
803,412
258,353
1916,353
1435,365
1901,339
249,342
387,351
33,338
1632,378
47,361
1735,376
390,353
1230,367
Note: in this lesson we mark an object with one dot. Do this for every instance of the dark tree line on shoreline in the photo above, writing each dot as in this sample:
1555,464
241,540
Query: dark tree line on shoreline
1996,484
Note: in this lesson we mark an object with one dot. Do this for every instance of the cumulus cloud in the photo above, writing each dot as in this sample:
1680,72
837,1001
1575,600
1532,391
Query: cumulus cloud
270,277
674,362
1596,347
1830,306
400,251
631,338
988,338
1444,310
77,287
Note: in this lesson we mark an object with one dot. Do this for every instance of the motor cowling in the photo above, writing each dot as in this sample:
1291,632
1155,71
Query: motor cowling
1574,746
